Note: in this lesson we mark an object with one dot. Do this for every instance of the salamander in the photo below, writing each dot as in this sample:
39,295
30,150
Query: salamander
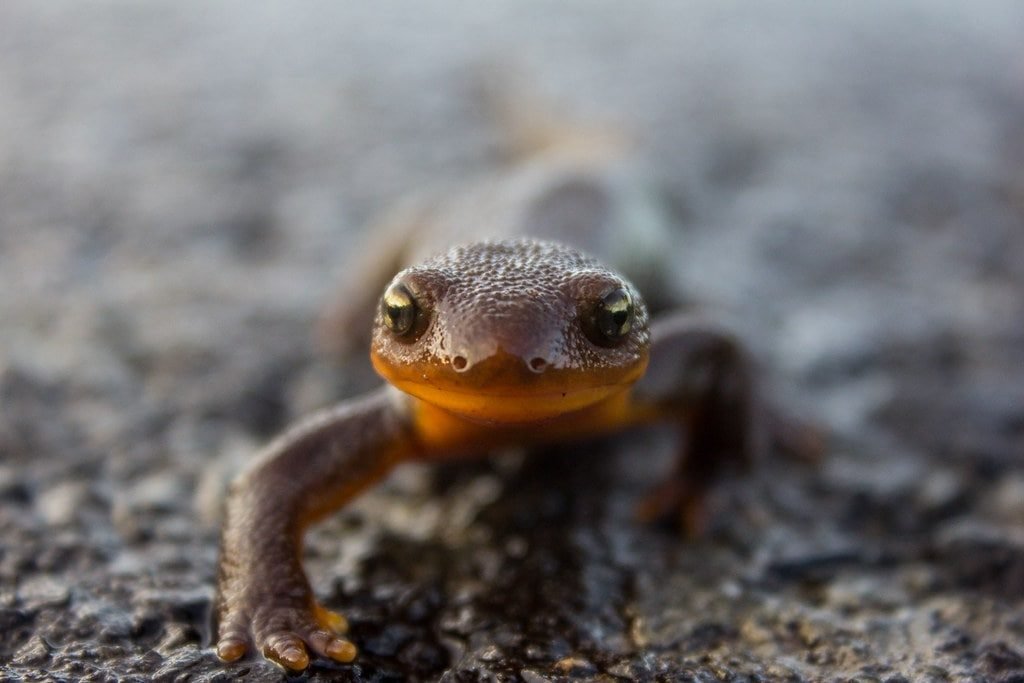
489,344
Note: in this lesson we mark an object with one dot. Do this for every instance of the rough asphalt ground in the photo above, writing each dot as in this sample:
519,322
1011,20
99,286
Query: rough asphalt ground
181,184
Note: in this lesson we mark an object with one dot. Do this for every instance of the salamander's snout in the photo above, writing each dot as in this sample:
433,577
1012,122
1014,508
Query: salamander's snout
513,336
461,362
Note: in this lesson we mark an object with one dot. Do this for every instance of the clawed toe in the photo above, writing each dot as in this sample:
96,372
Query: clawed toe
233,641
287,650
332,621
231,649
332,647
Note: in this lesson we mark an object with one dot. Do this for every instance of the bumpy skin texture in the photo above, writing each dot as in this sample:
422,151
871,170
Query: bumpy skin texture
505,349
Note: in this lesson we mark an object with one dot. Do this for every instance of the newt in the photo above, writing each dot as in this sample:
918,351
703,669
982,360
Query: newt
493,343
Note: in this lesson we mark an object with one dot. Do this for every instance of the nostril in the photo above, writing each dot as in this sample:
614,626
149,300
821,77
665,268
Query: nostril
459,363
538,364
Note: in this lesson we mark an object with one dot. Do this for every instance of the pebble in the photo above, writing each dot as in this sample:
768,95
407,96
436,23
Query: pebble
1007,499
575,666
40,591
35,652
531,676
59,505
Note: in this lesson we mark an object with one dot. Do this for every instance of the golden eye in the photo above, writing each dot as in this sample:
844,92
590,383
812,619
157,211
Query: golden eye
398,308
612,317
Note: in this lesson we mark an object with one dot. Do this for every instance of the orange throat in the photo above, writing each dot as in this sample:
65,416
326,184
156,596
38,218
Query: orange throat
542,398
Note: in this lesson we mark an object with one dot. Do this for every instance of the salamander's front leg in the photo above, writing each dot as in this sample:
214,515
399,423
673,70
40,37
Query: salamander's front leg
264,600
702,378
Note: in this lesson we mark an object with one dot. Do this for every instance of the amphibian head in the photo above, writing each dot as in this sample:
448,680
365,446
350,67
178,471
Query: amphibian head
510,331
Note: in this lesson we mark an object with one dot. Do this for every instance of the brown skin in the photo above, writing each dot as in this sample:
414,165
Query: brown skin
490,344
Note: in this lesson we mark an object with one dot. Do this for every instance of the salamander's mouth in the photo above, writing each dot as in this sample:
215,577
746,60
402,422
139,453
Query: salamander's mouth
506,389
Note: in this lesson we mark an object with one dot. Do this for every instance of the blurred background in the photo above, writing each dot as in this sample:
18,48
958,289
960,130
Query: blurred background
182,183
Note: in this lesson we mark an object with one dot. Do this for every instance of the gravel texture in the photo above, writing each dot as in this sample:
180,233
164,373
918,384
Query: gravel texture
182,182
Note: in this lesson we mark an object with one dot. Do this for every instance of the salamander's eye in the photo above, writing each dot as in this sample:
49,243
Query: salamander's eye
612,318
399,309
